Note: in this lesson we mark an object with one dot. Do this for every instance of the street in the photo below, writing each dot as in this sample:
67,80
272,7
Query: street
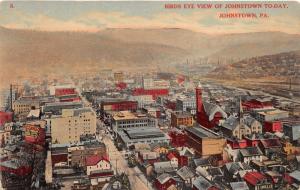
136,178
120,165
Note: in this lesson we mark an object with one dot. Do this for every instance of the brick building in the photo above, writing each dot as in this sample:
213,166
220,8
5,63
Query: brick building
181,118
205,142
208,114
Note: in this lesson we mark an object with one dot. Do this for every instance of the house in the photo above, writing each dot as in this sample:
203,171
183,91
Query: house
16,166
186,156
187,175
159,149
270,147
275,177
234,171
164,181
237,143
163,167
214,172
148,156
178,137
292,130
200,183
250,153
252,140
96,162
202,162
239,185
208,114
256,180
295,179
289,149
173,158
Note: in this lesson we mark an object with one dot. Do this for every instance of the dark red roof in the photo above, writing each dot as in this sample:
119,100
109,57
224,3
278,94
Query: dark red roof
254,178
95,159
171,155
270,143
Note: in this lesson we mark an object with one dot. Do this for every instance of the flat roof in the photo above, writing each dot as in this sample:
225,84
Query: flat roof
272,112
180,114
202,132
127,115
142,134
62,103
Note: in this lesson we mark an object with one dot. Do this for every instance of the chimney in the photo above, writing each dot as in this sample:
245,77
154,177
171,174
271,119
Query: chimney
199,99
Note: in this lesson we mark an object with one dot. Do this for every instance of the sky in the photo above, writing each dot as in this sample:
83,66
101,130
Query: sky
94,16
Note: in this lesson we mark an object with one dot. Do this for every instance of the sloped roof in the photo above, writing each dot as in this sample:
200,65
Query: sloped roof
163,178
231,123
233,167
185,173
161,167
201,162
202,183
149,155
95,159
171,155
270,143
239,185
211,109
34,113
295,175
186,152
254,178
251,151
248,120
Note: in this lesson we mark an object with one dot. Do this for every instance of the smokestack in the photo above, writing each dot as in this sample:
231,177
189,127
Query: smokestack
11,97
199,99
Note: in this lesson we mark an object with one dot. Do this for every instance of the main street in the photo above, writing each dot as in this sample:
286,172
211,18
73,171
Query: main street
136,178
120,165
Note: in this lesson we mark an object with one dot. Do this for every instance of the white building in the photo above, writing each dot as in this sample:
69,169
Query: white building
68,127
127,119
143,100
149,83
96,163
186,103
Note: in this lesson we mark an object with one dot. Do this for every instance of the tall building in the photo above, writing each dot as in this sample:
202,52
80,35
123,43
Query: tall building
73,123
205,142
119,76
23,106
185,104
5,99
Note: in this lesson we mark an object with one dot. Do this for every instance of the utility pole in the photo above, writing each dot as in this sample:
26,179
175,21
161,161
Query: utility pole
117,166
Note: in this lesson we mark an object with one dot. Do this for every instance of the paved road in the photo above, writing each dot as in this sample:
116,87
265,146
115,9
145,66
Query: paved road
120,164
137,180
